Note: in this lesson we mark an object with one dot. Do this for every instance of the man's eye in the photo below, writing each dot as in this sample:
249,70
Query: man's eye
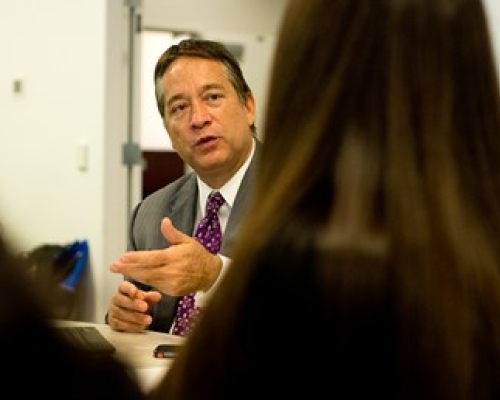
214,96
178,108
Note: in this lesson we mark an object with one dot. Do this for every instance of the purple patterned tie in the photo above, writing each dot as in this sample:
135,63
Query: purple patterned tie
209,234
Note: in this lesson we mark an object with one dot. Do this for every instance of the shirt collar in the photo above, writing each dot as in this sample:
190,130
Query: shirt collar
230,189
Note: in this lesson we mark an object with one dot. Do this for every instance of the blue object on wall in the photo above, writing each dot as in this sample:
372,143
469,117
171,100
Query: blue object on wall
79,251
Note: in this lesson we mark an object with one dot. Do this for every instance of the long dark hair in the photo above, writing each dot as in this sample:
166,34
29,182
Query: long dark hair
395,137
377,200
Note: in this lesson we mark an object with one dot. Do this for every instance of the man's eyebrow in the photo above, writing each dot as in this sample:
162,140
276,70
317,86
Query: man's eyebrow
211,86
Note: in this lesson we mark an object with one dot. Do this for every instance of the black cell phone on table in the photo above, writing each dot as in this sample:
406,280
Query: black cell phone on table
166,350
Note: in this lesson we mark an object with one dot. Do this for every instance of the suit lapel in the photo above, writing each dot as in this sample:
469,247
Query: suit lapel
240,202
183,206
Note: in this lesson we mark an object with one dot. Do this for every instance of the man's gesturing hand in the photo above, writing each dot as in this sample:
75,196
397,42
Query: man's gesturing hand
129,308
184,267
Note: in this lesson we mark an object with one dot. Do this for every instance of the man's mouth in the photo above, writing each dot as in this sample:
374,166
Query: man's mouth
204,140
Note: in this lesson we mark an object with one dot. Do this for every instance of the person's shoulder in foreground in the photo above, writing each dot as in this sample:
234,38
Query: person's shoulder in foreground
39,362
368,264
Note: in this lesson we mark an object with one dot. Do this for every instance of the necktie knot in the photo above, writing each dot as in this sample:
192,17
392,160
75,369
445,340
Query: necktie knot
214,202
209,232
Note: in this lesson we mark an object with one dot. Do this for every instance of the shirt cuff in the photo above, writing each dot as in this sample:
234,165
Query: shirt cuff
202,297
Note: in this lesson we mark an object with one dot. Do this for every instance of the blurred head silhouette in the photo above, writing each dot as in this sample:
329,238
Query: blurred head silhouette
34,349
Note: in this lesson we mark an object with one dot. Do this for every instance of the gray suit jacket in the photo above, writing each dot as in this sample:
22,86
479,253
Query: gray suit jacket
178,201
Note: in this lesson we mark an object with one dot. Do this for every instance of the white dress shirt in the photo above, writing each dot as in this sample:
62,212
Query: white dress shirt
229,192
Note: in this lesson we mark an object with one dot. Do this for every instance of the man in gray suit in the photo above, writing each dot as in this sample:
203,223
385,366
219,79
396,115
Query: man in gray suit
208,111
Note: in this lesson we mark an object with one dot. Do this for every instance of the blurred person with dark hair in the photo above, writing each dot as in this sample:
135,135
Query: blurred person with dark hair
208,111
38,360
368,264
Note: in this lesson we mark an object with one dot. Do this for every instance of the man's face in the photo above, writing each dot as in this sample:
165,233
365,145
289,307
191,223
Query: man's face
207,123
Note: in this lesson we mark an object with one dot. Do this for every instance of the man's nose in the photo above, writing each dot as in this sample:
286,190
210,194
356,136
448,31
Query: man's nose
200,115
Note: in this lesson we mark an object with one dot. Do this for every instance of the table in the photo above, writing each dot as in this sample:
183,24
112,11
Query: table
136,350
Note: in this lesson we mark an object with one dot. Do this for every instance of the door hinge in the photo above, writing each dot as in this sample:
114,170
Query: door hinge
132,154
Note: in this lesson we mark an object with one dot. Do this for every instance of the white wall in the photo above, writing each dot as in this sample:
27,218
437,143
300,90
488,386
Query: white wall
73,79
251,17
493,13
